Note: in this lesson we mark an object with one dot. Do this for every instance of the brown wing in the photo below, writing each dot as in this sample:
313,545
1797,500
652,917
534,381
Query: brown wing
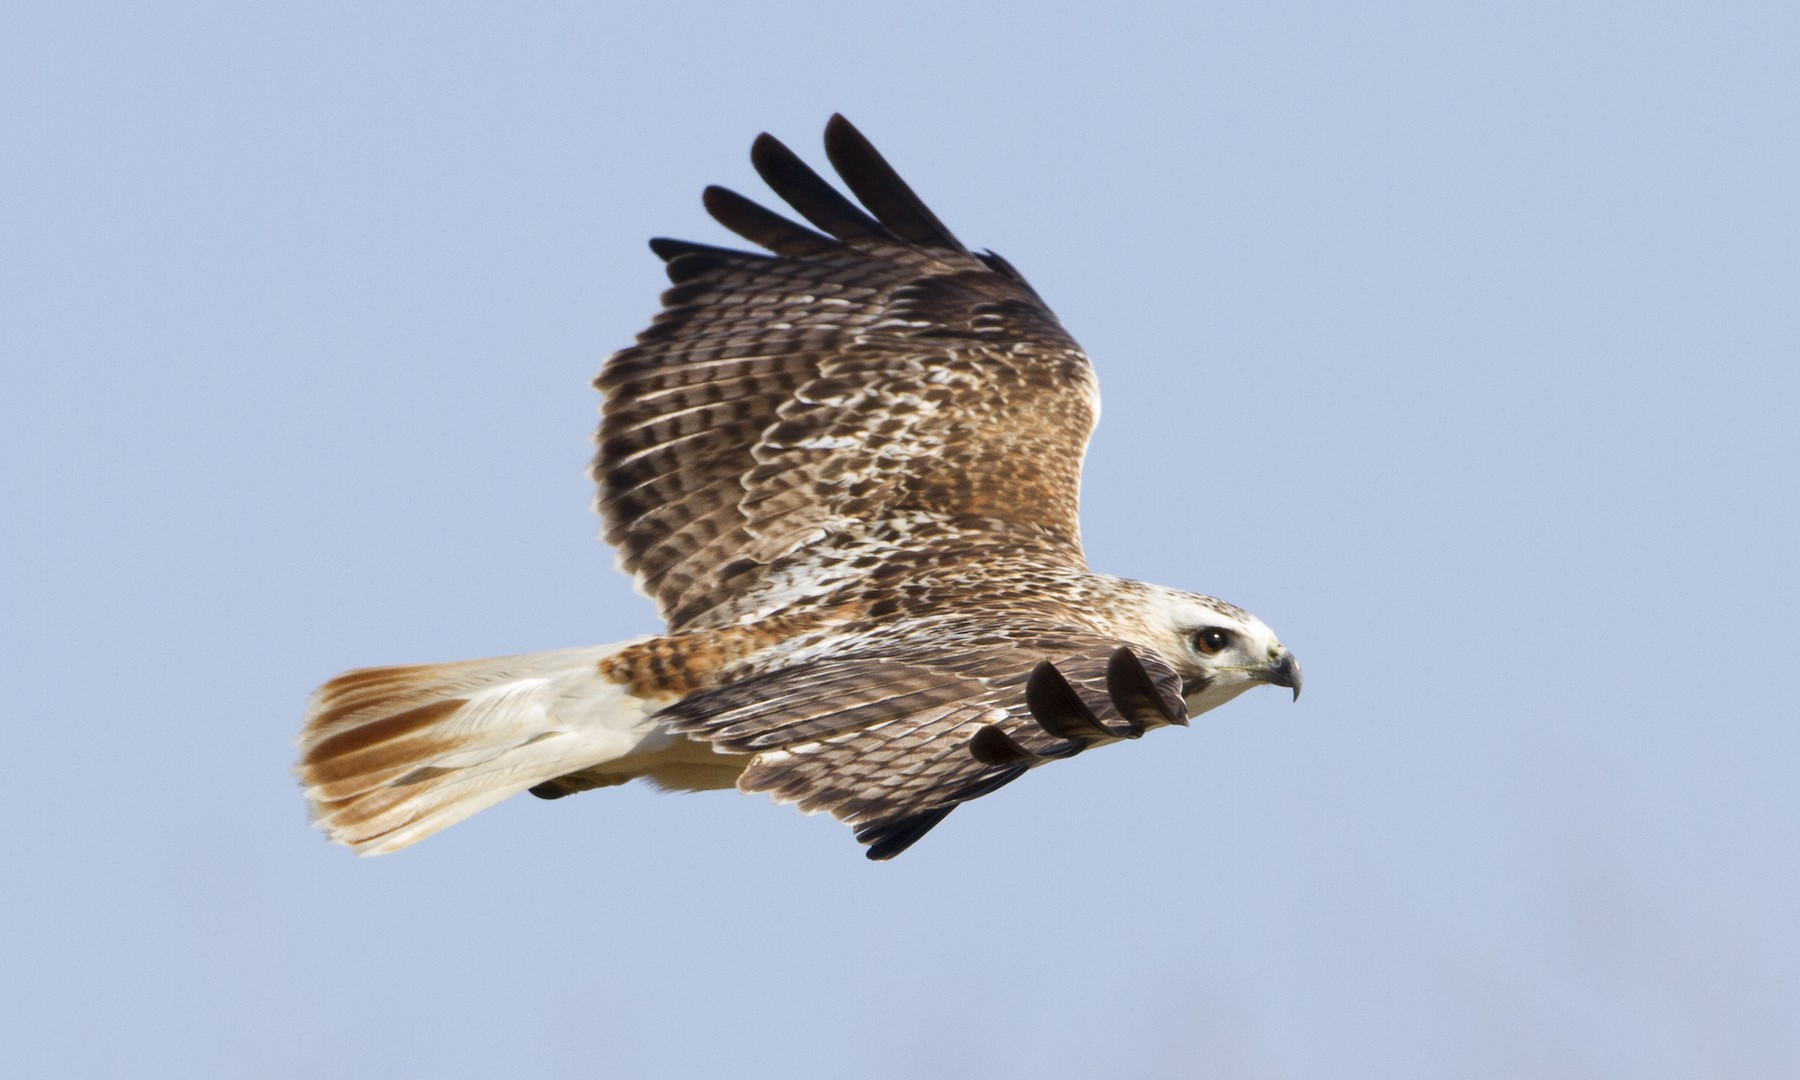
874,374
891,743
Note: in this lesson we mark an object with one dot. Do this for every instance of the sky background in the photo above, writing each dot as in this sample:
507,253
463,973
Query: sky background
1457,341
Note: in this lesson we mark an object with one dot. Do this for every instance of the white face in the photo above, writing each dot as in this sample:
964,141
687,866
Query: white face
1219,650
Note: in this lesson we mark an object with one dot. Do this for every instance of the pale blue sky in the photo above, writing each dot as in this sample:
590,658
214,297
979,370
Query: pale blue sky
1456,341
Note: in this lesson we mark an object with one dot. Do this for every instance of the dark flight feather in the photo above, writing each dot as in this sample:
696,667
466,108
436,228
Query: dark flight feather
808,193
760,225
880,188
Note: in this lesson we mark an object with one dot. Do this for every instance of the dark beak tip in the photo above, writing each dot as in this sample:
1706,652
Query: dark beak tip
1287,673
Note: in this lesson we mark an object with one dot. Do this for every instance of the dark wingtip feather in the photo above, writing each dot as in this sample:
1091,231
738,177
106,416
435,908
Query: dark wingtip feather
1135,694
992,782
669,249
760,225
991,746
809,194
889,838
880,188
1059,710
692,264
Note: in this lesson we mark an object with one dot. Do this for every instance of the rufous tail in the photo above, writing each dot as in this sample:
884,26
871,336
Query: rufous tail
391,755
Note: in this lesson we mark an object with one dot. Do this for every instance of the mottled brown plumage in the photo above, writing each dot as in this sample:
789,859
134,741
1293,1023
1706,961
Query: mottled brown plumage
862,380
847,473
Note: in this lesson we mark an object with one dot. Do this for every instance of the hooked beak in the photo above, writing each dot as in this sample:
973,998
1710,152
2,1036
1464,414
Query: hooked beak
1284,672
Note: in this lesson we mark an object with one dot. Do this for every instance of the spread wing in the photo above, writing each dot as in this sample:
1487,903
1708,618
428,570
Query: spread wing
873,375
892,741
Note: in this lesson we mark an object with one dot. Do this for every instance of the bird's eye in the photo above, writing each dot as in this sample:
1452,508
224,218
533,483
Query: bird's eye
1210,640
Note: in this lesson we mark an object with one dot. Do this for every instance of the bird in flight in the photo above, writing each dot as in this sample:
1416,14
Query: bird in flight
847,472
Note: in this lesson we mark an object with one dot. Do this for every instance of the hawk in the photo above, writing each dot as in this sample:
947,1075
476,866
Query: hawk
846,470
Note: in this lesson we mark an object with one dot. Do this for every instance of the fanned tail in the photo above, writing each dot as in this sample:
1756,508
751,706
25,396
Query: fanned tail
391,755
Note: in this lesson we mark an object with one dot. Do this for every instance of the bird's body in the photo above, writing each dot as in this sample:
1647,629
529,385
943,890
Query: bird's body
848,475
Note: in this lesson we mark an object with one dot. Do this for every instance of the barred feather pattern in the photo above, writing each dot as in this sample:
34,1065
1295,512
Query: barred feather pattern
872,419
864,381
878,734
847,471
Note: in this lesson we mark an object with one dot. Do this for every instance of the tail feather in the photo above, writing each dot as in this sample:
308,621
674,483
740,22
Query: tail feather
391,755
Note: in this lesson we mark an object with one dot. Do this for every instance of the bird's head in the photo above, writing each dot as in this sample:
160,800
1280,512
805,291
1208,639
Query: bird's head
1219,650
